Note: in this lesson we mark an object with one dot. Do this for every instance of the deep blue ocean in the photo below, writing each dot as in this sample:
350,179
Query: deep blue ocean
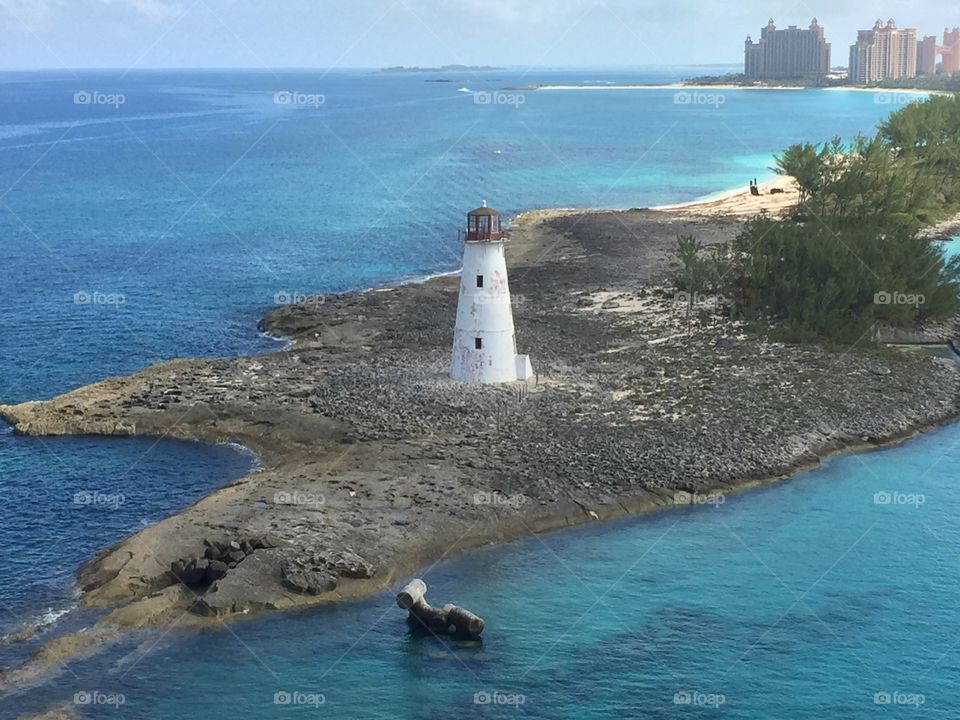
160,214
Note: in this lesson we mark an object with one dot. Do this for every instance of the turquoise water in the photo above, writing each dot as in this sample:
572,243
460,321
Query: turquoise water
167,225
809,599
952,249
66,499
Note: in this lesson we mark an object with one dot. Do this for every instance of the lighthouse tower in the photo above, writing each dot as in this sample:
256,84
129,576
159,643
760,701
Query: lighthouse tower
484,342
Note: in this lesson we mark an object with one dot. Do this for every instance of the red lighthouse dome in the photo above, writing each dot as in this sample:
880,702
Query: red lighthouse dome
485,225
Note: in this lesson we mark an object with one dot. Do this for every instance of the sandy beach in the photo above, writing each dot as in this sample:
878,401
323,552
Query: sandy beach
776,197
671,86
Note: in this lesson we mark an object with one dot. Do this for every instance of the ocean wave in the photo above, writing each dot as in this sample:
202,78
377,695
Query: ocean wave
52,615
44,619
16,131
287,342
421,279
60,141
415,280
258,465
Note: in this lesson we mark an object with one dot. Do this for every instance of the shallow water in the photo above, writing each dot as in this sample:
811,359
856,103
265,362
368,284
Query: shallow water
816,598
65,499
952,249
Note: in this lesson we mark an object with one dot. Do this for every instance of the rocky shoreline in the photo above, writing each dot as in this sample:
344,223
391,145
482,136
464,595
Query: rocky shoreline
376,464
945,231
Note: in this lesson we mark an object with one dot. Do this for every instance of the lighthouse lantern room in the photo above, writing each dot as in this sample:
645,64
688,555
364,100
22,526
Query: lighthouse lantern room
484,342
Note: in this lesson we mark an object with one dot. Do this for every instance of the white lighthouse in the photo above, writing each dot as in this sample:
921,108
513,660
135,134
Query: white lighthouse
484,342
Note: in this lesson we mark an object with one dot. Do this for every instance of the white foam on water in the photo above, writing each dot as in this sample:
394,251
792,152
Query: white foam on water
427,278
52,615
287,342
244,450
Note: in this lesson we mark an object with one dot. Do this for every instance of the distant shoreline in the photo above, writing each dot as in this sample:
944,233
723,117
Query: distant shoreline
699,86
401,70
669,86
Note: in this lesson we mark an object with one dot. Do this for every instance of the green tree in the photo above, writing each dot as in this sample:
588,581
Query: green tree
851,255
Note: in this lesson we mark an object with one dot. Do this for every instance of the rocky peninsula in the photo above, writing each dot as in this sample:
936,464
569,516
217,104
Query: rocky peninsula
377,465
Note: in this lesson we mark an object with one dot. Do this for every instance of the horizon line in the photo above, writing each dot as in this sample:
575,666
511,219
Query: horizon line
361,68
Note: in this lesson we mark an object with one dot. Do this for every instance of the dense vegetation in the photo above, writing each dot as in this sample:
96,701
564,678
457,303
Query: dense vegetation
946,83
741,79
850,255
934,83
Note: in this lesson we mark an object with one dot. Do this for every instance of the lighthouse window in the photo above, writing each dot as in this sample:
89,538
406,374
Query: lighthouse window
478,343
479,281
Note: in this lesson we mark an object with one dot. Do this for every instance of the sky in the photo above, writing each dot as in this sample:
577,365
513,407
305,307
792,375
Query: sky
133,34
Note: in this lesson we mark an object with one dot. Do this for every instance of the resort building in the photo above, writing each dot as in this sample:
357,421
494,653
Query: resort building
951,51
927,51
884,53
791,54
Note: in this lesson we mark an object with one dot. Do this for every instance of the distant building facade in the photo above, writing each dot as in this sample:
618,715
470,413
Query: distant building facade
927,51
884,53
951,51
791,54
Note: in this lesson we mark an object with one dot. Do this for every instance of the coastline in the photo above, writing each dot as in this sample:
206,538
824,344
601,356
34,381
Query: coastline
669,86
303,446
700,86
731,204
65,711
776,197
